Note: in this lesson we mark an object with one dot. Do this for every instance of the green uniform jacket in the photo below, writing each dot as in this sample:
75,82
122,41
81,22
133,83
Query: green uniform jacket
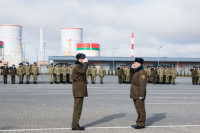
167,72
88,72
79,88
194,72
70,70
173,73
102,72
93,71
20,71
57,70
35,70
128,71
120,72
51,69
154,72
63,70
198,72
27,70
138,85
13,71
5,70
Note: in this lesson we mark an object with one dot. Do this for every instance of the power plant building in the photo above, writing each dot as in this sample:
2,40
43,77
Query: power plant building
69,38
11,35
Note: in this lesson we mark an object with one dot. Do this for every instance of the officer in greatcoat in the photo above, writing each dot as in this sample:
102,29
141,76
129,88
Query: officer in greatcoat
5,73
13,72
194,75
138,92
79,88
120,74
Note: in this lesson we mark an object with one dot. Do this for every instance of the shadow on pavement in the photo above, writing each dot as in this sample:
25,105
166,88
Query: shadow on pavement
6,128
155,118
105,119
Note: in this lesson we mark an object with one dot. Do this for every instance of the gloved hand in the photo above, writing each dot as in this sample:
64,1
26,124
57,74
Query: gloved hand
141,98
132,66
37,74
85,60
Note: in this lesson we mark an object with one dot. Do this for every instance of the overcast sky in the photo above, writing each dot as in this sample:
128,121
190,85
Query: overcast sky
172,24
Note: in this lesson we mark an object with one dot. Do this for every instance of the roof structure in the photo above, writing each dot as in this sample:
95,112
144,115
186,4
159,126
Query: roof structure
127,59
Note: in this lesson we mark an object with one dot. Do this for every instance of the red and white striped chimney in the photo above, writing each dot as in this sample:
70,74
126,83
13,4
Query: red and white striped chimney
132,46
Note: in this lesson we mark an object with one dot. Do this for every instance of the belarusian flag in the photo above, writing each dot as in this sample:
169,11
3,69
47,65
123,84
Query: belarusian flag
87,46
1,44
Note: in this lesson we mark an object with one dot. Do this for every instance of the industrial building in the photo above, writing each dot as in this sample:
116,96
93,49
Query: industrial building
11,36
184,64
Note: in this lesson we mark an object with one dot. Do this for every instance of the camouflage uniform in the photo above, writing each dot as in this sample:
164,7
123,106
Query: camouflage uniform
167,74
70,69
198,74
51,69
128,75
27,72
87,74
63,71
20,72
173,73
161,73
94,74
102,73
35,72
57,74
124,75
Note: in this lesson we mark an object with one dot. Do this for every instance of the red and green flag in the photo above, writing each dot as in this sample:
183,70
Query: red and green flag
1,44
87,46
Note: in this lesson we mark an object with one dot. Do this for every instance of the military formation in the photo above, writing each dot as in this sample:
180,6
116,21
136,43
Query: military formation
124,74
195,72
21,71
161,74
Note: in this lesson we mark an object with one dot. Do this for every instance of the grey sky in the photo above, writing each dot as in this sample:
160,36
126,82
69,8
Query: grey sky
172,24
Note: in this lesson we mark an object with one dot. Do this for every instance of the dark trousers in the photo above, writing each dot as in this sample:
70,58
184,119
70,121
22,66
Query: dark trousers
67,78
5,79
140,109
78,104
193,80
120,79
170,79
154,79
13,79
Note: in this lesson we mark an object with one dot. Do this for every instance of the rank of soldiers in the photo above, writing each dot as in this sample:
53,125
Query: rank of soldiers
161,74
57,74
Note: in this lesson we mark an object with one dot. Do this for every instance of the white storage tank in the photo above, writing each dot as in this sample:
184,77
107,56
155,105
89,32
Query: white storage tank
90,49
11,35
70,35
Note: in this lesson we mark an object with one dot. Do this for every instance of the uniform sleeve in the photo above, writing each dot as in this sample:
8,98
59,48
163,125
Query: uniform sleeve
82,69
142,82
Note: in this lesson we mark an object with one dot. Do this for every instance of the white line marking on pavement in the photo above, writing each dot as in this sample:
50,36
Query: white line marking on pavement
46,129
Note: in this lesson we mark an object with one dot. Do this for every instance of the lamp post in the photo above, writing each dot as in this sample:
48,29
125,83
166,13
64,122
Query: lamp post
113,60
158,54
177,60
44,58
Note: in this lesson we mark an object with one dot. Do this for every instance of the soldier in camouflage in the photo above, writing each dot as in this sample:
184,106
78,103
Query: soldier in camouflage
27,72
20,72
35,72
51,69
57,74
87,74
94,74
102,73
70,69
128,75
64,70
